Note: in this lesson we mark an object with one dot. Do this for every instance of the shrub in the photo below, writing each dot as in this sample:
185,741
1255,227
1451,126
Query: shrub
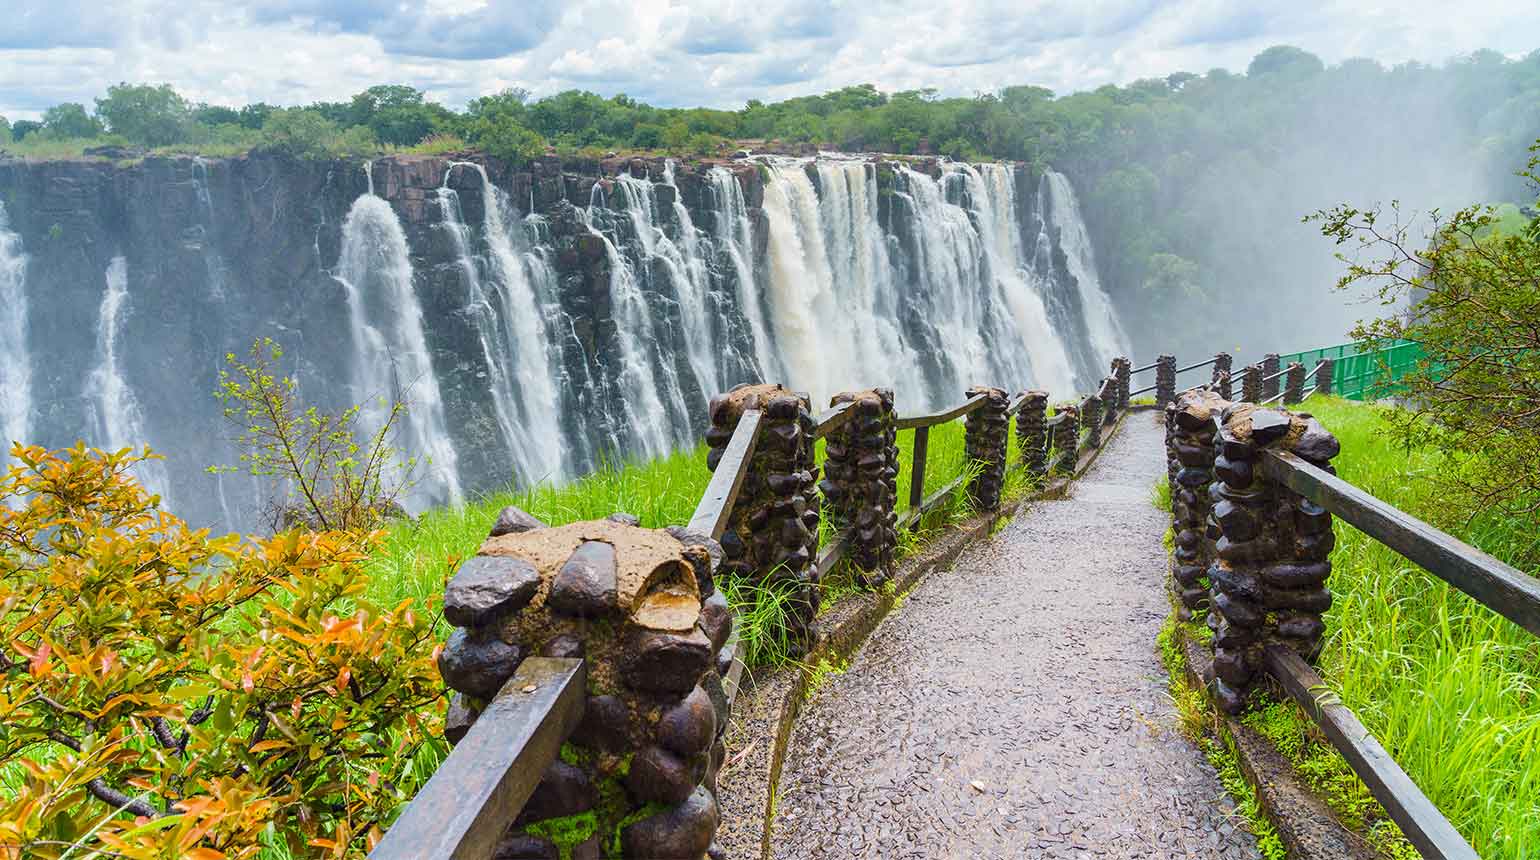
165,693
1471,297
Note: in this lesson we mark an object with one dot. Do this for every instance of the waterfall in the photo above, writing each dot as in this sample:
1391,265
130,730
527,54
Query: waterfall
390,348
15,361
119,420
733,237
218,274
510,320
1107,337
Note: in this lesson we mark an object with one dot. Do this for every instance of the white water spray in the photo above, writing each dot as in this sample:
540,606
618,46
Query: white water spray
15,361
120,421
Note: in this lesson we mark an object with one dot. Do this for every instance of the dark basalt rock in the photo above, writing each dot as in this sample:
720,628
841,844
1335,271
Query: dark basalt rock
477,666
681,833
489,588
511,520
666,662
624,518
565,645
585,585
1317,444
564,790
689,727
716,619
1268,426
522,846
604,724
659,776
1296,575
459,719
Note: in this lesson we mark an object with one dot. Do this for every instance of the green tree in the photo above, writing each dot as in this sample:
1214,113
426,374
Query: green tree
150,115
24,127
304,133
70,120
505,139
1471,298
5,130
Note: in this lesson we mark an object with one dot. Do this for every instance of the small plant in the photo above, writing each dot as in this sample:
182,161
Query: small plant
165,693
334,481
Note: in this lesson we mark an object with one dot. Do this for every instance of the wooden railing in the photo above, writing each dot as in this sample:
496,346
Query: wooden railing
466,806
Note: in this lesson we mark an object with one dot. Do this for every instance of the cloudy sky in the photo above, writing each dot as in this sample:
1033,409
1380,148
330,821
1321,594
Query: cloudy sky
695,52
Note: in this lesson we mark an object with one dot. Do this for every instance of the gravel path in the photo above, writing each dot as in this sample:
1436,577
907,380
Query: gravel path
1014,707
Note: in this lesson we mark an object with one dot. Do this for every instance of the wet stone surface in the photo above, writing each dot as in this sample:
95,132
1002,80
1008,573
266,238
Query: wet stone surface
1015,707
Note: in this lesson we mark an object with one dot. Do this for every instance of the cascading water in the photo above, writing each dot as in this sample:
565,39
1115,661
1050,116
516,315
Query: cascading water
119,420
533,348
511,324
390,349
1107,337
15,361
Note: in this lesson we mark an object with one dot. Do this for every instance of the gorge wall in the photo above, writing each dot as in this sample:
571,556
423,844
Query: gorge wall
535,320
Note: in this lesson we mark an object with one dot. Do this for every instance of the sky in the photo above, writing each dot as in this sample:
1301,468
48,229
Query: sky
717,53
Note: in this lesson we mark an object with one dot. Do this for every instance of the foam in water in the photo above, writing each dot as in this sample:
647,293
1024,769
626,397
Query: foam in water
733,238
511,325
15,362
390,349
120,421
1107,337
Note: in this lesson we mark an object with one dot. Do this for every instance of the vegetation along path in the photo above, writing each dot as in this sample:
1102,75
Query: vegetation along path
1015,706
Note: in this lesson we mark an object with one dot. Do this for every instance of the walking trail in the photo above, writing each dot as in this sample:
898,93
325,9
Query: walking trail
1015,707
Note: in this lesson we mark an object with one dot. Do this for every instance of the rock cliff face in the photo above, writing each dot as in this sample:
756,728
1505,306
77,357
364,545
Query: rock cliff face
567,310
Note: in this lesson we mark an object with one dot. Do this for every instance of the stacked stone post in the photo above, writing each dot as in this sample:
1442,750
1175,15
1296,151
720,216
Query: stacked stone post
1165,380
772,536
1066,439
1323,376
1294,383
1091,420
1221,379
987,432
1032,432
1270,386
641,608
1251,384
1108,394
1267,583
860,481
1123,370
1190,467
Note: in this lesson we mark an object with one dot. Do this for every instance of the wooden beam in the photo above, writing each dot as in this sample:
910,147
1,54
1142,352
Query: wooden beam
935,418
918,510
833,419
917,474
476,793
1500,587
716,504
1425,827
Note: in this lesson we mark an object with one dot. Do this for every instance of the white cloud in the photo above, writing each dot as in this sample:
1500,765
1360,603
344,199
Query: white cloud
686,52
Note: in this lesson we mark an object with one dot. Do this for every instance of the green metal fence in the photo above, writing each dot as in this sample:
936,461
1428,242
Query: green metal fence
1363,375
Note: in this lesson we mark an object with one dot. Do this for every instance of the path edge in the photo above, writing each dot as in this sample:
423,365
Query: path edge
845,627
1306,825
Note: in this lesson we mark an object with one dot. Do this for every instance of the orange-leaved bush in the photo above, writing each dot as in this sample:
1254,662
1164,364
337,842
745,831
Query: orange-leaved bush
167,693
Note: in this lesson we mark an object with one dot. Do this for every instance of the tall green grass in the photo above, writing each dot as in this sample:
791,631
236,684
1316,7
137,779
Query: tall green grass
1450,688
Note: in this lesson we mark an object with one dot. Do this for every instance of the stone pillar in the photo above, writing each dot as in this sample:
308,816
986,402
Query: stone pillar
1109,398
1091,420
1221,378
1267,583
1294,383
861,481
1191,468
1066,440
1270,387
1032,432
1323,376
988,430
1124,374
641,608
1165,380
772,537
1251,384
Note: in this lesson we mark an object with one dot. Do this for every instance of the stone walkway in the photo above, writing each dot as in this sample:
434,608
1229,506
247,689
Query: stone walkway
1014,707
